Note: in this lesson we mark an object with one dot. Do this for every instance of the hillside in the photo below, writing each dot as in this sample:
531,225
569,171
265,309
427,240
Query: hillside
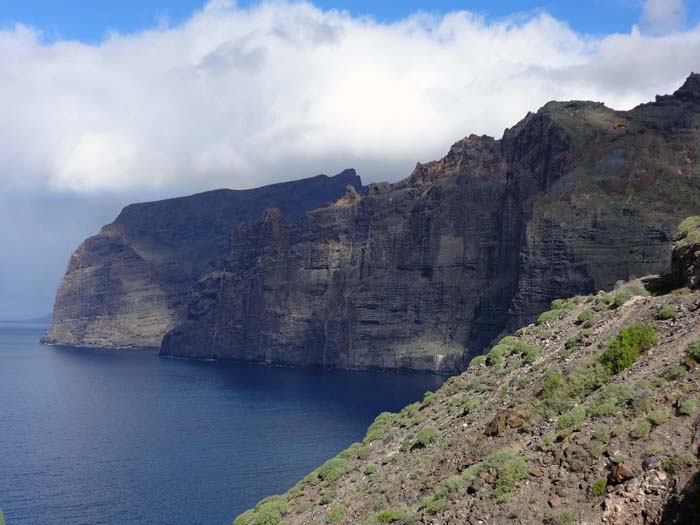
590,415
129,284
425,273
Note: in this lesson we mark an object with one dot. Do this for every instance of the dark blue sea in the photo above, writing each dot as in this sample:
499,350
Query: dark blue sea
90,437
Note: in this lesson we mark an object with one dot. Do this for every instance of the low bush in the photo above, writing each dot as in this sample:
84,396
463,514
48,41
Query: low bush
693,352
496,354
675,372
598,488
269,511
654,449
380,426
622,297
629,344
687,407
542,333
585,316
668,311
572,418
389,516
641,429
677,462
657,417
327,496
603,303
370,469
509,475
336,513
425,436
477,360
602,434
548,316
528,351
333,469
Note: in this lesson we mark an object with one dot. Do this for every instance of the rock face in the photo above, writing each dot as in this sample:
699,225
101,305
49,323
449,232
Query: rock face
128,285
685,263
424,273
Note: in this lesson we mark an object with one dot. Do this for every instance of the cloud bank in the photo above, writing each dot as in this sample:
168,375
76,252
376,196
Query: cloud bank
241,97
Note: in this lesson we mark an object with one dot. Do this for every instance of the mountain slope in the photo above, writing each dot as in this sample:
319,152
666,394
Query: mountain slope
591,415
128,285
424,273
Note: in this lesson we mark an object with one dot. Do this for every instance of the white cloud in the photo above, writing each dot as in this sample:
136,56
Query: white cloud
662,16
241,97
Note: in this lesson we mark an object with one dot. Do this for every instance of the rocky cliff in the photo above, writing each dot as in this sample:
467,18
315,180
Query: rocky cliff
424,273
128,285
590,416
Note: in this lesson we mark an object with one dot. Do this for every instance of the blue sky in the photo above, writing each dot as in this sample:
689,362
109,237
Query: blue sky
90,21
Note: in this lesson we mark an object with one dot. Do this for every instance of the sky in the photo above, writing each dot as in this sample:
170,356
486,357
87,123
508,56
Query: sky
139,100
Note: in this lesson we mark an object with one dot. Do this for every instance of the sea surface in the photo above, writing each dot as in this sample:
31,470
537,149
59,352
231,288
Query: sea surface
93,437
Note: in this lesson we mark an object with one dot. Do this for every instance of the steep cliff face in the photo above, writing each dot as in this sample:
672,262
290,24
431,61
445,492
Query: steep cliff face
128,285
422,274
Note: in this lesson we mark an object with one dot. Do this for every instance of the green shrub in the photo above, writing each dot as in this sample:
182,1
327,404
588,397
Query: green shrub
543,333
687,407
675,372
425,436
336,513
496,354
657,417
693,352
477,360
269,511
333,469
573,341
677,462
389,516
603,303
598,488
622,297
528,351
572,418
641,429
654,449
548,316
304,507
587,377
553,383
510,473
327,496
564,517
629,344
668,311
370,469
602,434
380,426
508,340
586,315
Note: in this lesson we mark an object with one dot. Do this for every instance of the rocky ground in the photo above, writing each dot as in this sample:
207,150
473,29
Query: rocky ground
589,416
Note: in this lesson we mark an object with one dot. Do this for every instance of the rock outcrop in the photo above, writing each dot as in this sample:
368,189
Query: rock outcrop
685,263
541,430
424,273
128,285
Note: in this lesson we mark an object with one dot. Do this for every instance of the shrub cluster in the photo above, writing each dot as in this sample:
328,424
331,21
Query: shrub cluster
668,311
269,511
629,344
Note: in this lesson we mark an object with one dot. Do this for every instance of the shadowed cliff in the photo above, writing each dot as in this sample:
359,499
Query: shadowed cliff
424,273
128,285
